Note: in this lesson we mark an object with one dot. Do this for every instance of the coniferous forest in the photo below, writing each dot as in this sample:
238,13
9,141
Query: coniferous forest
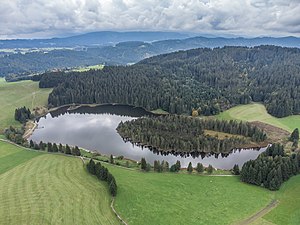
271,168
181,134
208,80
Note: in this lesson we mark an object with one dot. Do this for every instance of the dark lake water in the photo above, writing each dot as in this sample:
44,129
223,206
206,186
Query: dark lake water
94,128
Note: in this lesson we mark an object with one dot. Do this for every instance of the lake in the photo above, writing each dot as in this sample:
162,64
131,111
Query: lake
94,128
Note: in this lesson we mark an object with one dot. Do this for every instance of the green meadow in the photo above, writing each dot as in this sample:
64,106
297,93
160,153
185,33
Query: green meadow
167,198
288,210
258,112
19,94
39,188
85,69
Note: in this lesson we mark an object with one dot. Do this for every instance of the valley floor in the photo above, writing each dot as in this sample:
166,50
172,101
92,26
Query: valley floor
42,188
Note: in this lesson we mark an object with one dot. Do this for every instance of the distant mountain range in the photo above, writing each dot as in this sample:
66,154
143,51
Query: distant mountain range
174,39
102,48
101,38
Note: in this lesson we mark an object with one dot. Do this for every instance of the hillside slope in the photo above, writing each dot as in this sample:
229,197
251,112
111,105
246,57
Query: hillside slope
50,189
208,80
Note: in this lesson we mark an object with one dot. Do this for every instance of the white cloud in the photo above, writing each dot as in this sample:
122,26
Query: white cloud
32,18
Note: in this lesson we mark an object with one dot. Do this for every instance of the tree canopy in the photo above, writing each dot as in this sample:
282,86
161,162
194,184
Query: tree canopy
208,80
182,134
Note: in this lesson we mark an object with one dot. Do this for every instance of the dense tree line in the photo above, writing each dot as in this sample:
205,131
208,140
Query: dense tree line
103,174
176,167
53,147
208,80
174,133
16,135
23,114
271,168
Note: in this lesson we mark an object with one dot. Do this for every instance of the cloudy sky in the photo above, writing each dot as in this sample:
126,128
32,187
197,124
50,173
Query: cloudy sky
49,18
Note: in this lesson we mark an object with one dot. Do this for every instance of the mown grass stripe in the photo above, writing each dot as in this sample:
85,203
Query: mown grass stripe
10,161
53,189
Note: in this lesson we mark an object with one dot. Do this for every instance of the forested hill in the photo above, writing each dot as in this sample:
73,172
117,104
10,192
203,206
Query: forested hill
132,48
209,80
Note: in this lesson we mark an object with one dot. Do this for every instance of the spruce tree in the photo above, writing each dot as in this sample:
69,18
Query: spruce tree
178,165
210,169
295,135
91,167
98,170
113,187
54,147
68,150
143,164
166,166
173,168
42,145
190,168
49,147
60,148
236,169
200,168
31,144
76,151
111,159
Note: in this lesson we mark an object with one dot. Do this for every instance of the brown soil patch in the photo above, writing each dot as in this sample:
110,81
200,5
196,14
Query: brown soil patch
275,134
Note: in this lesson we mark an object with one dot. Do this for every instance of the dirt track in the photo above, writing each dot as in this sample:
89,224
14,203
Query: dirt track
260,213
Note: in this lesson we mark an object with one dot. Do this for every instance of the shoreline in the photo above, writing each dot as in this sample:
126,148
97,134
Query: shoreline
251,146
75,106
29,132
69,107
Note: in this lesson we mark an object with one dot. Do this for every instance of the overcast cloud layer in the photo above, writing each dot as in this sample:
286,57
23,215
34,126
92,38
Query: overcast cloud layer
48,18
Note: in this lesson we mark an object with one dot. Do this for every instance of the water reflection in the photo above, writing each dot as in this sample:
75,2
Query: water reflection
94,128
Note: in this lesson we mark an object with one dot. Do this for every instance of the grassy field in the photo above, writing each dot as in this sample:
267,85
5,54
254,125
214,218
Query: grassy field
159,111
55,189
50,189
257,112
11,156
288,210
18,94
153,198
84,69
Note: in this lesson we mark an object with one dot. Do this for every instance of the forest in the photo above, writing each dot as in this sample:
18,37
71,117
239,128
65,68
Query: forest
181,134
207,80
271,168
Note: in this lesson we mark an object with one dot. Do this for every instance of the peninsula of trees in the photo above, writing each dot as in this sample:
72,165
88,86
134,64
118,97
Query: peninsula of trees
207,80
186,135
271,168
